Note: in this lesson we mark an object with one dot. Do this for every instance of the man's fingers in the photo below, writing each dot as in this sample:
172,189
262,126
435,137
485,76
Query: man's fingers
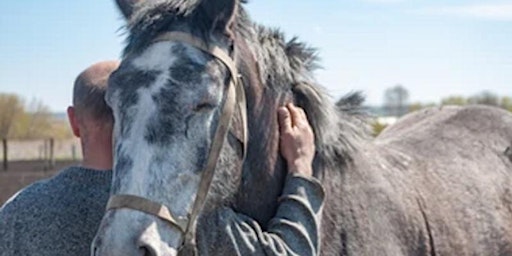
298,115
302,115
285,118
294,112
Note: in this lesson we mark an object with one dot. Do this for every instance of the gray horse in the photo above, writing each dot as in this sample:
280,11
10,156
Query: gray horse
436,183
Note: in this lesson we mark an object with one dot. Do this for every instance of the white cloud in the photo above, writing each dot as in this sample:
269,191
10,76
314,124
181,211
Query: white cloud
483,11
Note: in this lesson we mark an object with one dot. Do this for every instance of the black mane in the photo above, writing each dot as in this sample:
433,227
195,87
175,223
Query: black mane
339,127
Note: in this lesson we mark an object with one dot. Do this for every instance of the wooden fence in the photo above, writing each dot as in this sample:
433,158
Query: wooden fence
47,150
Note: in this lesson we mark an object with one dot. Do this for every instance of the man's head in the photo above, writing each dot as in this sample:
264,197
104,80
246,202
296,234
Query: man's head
89,110
90,118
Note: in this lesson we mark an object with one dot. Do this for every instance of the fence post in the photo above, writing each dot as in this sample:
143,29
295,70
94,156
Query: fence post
52,153
73,151
45,155
6,164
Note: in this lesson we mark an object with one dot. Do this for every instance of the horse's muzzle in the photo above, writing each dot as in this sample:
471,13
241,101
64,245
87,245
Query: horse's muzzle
145,235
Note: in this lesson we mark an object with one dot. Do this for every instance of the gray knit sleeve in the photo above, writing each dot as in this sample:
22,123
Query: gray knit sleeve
7,227
294,230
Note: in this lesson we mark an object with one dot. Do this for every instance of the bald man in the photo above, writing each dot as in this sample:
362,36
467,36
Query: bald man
60,215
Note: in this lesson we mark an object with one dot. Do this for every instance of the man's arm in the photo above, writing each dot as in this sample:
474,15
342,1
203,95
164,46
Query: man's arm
294,230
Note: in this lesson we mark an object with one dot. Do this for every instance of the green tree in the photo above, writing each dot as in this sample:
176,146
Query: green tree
396,100
506,103
418,106
485,98
454,100
415,106
39,120
11,108
377,128
31,121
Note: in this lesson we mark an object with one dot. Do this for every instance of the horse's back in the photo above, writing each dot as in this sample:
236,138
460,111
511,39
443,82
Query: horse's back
454,162
478,121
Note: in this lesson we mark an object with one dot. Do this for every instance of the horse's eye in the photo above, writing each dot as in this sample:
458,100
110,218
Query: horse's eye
203,107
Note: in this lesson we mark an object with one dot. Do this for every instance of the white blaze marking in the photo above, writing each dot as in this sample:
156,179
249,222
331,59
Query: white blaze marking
157,57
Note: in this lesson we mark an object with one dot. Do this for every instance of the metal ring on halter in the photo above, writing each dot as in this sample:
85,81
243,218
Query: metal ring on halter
235,98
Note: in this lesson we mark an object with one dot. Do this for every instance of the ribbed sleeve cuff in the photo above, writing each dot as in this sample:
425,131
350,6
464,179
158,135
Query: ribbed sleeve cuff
307,187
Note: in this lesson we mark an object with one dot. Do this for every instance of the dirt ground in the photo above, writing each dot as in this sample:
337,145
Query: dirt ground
23,173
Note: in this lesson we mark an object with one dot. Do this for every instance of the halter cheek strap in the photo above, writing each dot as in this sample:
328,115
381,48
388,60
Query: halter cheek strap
235,98
147,206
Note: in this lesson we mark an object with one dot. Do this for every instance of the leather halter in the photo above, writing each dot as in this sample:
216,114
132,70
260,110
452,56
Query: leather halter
235,98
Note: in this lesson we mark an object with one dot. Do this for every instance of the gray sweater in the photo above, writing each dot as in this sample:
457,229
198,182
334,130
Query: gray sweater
57,216
60,216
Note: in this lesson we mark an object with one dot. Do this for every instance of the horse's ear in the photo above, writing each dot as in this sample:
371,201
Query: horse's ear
128,7
219,13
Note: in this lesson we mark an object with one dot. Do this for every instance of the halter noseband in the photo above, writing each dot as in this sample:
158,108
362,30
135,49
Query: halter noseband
235,98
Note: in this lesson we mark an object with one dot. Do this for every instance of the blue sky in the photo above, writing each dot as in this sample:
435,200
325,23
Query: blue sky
434,48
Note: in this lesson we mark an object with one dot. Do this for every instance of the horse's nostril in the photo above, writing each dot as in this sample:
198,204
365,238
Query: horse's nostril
95,251
147,251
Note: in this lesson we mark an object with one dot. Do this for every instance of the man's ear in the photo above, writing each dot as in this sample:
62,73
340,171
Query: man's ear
129,7
73,121
220,13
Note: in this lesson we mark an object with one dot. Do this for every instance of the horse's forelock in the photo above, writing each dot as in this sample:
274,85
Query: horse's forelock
155,18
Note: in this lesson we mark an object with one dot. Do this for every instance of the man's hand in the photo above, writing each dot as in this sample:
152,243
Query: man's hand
297,140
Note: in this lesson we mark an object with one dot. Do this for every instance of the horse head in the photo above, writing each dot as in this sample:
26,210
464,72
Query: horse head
197,91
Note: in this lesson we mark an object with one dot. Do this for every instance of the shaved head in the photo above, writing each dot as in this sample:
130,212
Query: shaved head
89,91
